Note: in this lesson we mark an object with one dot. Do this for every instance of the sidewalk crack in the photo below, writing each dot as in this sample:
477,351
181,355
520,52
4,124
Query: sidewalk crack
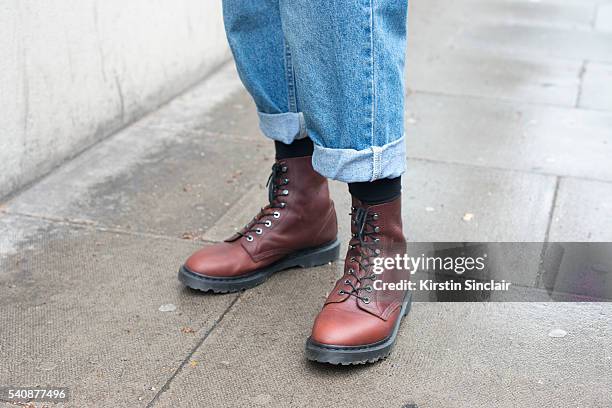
166,386
98,227
581,74
541,270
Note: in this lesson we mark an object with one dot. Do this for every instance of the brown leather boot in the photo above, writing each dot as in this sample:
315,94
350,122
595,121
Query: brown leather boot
359,320
297,228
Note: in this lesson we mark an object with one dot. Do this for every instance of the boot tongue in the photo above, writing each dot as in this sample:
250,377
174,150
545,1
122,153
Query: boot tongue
360,220
361,215
276,170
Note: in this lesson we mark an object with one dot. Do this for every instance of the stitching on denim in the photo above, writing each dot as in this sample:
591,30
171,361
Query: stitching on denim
376,162
294,85
373,164
373,107
290,79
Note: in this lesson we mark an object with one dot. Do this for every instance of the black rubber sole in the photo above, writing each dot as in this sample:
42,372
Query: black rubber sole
305,258
345,355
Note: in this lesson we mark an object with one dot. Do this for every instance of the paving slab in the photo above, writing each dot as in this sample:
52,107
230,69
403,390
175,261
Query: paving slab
441,60
442,357
583,211
425,17
569,15
596,91
454,71
505,205
481,132
80,309
547,42
603,20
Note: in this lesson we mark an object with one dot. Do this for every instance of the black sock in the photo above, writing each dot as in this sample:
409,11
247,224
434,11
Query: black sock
378,191
299,148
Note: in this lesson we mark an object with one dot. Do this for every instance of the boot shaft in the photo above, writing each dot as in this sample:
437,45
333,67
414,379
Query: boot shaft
300,214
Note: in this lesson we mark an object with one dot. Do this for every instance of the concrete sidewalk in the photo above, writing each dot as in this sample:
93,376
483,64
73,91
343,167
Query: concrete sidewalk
509,118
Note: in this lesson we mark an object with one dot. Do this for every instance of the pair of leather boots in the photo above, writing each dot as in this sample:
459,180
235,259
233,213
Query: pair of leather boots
298,228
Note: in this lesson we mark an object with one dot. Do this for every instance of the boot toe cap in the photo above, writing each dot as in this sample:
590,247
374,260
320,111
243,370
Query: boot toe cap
219,260
335,326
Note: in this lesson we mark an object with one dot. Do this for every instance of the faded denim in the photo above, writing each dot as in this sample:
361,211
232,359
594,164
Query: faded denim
329,69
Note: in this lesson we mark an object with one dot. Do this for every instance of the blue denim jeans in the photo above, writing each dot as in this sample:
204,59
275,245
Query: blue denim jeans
331,70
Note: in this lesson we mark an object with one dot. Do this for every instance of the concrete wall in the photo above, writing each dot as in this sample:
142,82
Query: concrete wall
74,71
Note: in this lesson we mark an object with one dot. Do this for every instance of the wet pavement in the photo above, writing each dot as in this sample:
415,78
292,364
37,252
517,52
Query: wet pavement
509,120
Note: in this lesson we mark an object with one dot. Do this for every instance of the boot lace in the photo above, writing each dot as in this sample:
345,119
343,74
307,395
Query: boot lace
276,191
365,244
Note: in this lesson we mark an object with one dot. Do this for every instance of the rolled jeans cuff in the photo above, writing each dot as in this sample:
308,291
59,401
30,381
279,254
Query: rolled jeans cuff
283,127
352,166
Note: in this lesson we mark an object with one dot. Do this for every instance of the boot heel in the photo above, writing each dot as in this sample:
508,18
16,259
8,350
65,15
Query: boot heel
319,256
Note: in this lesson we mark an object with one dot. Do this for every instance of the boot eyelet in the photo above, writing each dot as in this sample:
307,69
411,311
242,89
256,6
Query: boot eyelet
375,216
347,282
353,259
285,192
341,292
268,223
276,214
366,300
283,205
376,239
249,238
286,181
377,251
377,229
351,271
284,169
368,288
259,231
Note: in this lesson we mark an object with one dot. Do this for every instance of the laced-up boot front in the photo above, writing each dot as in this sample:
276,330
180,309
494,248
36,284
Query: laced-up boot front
358,322
298,227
